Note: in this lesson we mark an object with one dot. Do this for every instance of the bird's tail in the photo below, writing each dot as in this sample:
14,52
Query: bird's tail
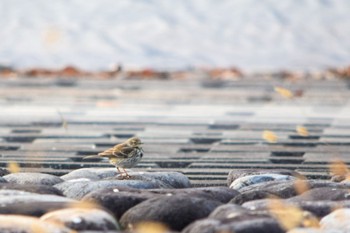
91,157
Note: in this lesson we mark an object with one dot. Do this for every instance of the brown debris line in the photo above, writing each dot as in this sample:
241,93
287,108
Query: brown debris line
68,71
146,73
221,73
225,73
341,72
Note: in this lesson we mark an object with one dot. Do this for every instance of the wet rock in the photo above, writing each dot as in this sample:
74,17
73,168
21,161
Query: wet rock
165,179
25,224
245,181
241,224
228,211
91,174
310,230
175,211
82,219
317,208
204,226
337,221
103,231
2,180
91,231
32,178
281,189
77,189
119,200
169,179
222,194
25,203
251,196
4,172
238,173
39,189
325,193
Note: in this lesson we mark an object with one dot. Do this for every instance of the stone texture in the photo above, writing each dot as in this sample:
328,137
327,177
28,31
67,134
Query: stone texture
222,194
246,181
240,224
39,189
228,211
32,178
25,203
311,230
119,200
175,211
337,221
4,172
25,224
323,194
82,219
317,208
169,179
77,189
90,173
2,180
238,173
282,189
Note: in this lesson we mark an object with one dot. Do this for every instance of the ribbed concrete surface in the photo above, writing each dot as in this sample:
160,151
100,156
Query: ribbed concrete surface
201,127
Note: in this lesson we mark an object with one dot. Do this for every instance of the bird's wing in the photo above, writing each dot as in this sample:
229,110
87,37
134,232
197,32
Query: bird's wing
122,151
107,153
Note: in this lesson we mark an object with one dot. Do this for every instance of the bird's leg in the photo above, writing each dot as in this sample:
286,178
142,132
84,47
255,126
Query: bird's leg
127,175
121,173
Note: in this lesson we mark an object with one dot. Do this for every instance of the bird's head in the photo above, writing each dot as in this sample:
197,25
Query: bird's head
134,142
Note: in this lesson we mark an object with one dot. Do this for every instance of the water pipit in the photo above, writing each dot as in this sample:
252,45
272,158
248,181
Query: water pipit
123,155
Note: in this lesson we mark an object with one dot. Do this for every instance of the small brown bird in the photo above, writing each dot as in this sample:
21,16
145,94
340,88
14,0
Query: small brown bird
124,155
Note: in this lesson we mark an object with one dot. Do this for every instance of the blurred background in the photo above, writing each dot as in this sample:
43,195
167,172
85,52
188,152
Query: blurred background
253,35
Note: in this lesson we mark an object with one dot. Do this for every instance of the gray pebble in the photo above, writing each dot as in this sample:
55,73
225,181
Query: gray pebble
25,224
77,189
82,219
238,173
32,178
25,203
175,211
242,182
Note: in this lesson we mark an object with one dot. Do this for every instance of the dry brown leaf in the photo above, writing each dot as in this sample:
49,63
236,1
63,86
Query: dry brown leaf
284,92
302,131
301,186
150,227
13,167
289,215
85,205
269,136
339,168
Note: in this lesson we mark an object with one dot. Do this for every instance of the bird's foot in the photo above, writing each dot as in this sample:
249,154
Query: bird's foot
123,177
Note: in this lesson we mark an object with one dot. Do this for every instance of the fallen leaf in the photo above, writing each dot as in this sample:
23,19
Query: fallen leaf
150,227
269,136
13,167
302,131
284,92
339,168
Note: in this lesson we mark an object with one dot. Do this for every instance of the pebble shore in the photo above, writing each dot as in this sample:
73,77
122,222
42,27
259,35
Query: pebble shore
100,200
